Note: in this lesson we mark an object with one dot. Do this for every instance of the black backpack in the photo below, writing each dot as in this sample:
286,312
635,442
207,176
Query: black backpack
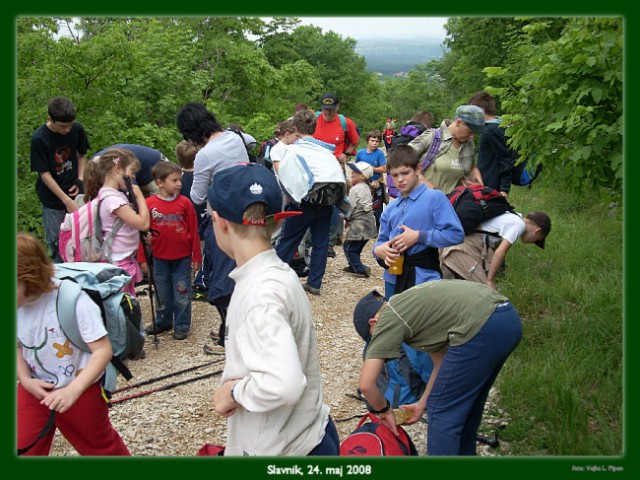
250,147
476,203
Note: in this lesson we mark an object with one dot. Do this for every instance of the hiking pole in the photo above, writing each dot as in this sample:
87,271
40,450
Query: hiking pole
147,253
166,387
162,377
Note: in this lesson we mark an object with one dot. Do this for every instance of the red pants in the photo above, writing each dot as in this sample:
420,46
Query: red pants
86,425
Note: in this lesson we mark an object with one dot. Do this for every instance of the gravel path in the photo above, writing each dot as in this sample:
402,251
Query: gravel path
177,421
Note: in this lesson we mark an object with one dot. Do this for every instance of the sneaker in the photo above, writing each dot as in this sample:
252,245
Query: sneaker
214,336
310,289
199,297
180,334
331,252
150,330
213,350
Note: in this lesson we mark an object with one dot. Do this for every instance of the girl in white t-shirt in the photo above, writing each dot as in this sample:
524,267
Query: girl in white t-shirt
55,377
104,177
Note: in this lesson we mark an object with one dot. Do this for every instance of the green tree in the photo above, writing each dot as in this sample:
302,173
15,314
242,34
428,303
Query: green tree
567,108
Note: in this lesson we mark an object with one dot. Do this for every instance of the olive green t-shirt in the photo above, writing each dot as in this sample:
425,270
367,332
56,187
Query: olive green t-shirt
433,315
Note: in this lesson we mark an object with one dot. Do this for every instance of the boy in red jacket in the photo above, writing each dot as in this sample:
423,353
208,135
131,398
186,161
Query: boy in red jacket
176,251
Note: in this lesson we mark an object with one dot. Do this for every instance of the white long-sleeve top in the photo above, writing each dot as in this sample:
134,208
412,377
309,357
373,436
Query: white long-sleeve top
271,347
218,154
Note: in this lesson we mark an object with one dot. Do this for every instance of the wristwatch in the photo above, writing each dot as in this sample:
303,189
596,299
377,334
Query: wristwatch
382,410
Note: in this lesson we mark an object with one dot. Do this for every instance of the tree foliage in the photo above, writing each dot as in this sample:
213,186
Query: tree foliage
558,82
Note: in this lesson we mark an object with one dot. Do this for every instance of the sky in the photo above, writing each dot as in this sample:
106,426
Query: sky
387,27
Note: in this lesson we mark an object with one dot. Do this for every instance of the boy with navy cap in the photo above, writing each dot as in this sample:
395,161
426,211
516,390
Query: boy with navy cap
271,388
468,329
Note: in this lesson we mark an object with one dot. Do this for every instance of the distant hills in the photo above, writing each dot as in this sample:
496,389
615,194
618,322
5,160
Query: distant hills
392,55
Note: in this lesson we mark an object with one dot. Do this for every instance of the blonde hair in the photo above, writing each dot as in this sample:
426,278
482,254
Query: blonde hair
186,153
34,266
99,167
255,212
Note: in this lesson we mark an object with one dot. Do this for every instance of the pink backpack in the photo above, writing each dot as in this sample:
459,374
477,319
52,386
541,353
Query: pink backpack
81,238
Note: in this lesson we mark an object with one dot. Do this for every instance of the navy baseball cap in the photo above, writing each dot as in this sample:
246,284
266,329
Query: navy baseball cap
329,100
241,185
365,310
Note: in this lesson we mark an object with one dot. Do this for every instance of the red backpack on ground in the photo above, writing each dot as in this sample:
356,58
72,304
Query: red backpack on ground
372,439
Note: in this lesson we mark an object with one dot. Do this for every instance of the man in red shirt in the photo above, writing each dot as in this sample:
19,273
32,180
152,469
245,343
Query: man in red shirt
340,131
331,129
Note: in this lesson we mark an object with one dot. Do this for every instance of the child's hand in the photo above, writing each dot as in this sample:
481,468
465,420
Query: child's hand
62,399
223,402
405,240
37,388
195,266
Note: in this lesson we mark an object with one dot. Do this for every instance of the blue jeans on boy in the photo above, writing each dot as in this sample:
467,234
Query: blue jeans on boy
353,251
456,402
318,220
51,219
173,288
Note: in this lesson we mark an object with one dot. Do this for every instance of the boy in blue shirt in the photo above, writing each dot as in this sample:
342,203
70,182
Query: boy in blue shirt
414,225
376,158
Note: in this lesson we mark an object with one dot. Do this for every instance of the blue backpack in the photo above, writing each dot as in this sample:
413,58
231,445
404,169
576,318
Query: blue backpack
523,174
404,379
120,312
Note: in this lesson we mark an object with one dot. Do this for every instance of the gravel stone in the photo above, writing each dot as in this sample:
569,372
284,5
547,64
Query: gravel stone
177,421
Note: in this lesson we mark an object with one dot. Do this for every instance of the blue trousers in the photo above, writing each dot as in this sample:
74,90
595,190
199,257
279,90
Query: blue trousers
173,286
330,444
318,220
456,402
353,251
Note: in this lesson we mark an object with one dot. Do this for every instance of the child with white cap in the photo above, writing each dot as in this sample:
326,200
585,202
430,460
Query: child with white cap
361,222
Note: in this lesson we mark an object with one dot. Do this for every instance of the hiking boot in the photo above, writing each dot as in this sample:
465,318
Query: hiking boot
347,269
180,334
150,330
213,350
331,252
310,289
365,273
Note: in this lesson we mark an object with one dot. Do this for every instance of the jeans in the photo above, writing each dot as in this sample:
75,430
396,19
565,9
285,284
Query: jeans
52,219
456,402
173,286
353,251
218,266
318,220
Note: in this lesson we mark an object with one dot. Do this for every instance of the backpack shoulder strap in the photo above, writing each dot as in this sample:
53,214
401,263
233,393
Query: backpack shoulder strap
433,151
117,225
343,121
68,293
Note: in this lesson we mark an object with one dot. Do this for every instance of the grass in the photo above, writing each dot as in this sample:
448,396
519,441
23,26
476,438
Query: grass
563,386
